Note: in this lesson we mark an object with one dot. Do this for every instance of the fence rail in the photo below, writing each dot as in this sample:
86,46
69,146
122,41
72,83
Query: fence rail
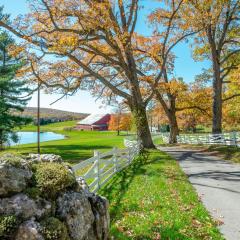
230,139
102,166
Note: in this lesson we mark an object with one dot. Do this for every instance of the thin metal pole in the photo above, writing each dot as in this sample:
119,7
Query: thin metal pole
38,120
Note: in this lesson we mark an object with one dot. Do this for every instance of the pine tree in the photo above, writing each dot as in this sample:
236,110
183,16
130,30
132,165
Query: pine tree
12,93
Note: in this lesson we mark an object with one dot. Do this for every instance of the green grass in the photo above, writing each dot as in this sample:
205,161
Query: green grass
153,199
229,153
77,146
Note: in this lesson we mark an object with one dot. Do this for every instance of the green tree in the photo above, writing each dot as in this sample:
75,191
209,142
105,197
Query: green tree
12,92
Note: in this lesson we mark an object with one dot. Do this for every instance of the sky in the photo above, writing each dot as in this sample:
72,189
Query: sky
185,66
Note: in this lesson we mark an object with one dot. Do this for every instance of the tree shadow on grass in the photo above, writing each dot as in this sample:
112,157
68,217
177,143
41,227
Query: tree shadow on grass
72,154
119,184
118,187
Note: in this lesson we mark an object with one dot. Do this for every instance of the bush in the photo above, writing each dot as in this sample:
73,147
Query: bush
52,178
68,129
33,192
54,229
8,225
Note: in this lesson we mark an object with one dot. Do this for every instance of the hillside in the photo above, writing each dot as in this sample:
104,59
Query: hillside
53,114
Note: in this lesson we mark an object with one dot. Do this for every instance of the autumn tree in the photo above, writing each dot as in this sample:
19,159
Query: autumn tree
120,122
114,124
231,114
189,119
169,31
217,23
95,45
126,122
231,99
179,99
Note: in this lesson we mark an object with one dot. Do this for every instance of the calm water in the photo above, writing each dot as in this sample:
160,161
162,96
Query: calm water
31,137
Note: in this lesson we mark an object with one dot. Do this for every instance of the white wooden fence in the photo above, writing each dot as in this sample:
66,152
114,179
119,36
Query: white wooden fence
97,170
231,139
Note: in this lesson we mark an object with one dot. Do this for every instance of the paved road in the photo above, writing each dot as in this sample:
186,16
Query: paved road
217,183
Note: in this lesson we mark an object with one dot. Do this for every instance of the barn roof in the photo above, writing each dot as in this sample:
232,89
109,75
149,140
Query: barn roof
91,119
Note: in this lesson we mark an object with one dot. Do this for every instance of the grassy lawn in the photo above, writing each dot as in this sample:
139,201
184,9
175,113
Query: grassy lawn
78,145
229,153
153,199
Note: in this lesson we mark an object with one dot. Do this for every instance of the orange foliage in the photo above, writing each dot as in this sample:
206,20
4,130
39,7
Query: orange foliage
120,122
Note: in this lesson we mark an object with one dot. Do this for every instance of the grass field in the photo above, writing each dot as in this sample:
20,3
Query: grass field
229,153
153,199
78,145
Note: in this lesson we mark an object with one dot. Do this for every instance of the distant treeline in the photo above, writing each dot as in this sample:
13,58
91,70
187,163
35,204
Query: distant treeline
48,115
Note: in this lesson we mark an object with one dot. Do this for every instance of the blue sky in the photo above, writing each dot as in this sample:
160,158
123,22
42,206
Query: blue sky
83,102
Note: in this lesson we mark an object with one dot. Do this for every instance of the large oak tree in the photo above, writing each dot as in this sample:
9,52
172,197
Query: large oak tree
95,45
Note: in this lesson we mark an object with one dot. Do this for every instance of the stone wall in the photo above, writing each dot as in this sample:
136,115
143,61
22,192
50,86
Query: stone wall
41,199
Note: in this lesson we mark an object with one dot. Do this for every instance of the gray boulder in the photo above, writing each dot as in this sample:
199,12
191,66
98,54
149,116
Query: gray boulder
35,158
29,230
75,210
82,185
22,206
100,211
13,179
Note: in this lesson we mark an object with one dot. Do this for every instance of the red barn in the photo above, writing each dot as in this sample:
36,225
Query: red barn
94,122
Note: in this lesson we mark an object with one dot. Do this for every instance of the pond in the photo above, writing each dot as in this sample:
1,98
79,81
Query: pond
31,137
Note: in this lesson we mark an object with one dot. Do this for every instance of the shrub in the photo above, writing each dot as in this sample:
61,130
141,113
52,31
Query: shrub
54,229
52,178
33,192
8,225
68,129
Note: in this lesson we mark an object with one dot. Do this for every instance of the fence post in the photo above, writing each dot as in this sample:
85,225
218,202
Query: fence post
234,138
129,156
115,150
208,138
96,154
198,140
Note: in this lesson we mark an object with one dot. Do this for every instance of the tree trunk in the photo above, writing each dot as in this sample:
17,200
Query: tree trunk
143,131
217,85
174,130
217,100
171,115
1,140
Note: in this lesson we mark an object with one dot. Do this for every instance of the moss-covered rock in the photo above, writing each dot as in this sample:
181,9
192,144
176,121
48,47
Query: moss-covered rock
14,160
15,175
29,230
52,178
54,229
8,225
41,199
22,206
